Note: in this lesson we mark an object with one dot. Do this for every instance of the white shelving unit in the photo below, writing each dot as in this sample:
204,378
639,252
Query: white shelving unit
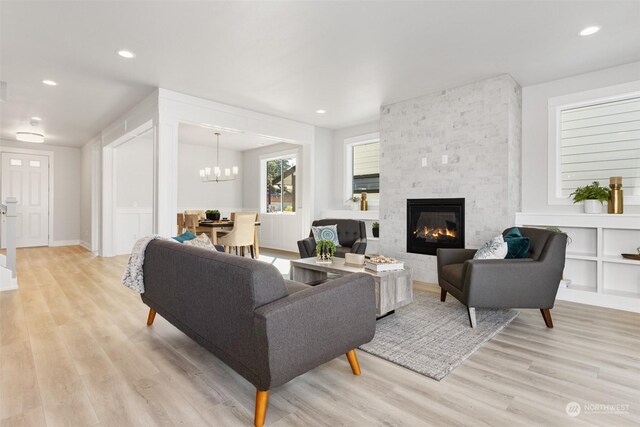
599,274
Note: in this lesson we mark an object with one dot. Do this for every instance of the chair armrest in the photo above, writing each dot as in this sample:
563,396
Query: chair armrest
307,247
311,327
359,246
453,256
517,283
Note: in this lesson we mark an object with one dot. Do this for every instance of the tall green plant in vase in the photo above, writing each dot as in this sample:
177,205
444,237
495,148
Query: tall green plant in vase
325,250
593,197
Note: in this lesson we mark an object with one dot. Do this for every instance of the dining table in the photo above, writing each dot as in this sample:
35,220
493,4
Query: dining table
212,228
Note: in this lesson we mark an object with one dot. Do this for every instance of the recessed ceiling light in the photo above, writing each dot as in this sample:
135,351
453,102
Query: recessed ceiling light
50,83
30,137
321,111
36,118
589,30
126,54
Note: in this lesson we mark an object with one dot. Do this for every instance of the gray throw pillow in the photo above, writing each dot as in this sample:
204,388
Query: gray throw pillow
496,248
326,232
202,241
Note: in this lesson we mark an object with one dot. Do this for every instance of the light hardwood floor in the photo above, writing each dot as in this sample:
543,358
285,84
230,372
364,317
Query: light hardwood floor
75,350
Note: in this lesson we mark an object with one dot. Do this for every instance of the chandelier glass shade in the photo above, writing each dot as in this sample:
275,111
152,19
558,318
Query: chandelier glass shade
218,174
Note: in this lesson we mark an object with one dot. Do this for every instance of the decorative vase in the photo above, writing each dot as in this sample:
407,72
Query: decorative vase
323,258
209,216
592,206
376,232
215,216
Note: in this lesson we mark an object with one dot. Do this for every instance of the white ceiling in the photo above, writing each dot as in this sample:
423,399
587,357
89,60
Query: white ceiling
287,58
199,135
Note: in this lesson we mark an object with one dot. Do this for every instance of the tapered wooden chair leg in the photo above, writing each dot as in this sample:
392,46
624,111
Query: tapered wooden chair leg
151,317
353,361
262,400
546,315
443,295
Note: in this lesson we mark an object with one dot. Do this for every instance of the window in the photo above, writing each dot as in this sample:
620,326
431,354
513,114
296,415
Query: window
280,185
363,167
592,136
34,163
16,162
600,140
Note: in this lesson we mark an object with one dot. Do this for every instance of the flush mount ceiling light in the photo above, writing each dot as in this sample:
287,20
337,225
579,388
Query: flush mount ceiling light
230,174
589,30
50,82
126,54
321,111
36,118
30,137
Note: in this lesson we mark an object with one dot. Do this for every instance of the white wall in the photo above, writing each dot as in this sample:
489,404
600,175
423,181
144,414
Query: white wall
66,187
325,171
86,165
337,197
195,194
535,132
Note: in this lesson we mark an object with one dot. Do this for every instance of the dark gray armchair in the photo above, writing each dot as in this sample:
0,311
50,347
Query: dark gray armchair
352,235
530,282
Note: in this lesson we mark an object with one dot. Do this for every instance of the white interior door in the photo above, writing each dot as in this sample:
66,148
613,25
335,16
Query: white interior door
26,177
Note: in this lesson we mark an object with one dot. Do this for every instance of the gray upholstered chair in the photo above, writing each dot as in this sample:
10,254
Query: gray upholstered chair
530,282
352,235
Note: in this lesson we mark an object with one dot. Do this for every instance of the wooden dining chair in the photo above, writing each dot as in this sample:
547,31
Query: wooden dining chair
191,222
180,223
241,235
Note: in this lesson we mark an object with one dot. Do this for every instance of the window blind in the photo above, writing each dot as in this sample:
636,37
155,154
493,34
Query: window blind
599,141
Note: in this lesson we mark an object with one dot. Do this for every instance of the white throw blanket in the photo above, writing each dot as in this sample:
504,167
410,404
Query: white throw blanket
133,276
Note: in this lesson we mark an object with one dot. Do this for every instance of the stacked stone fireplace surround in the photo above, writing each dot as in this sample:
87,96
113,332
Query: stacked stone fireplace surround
478,127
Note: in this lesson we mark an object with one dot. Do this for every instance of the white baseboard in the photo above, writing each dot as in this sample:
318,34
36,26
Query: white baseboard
64,243
85,245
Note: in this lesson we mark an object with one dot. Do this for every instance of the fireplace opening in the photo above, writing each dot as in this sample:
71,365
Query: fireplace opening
433,224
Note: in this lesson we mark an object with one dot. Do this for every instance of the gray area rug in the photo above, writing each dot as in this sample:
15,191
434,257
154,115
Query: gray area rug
432,337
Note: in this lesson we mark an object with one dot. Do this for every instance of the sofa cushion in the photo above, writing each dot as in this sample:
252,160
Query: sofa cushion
518,245
326,232
453,273
202,241
495,248
293,287
187,235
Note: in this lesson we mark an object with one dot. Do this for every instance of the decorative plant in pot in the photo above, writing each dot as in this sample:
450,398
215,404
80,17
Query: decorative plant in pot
376,229
354,202
593,197
213,215
325,250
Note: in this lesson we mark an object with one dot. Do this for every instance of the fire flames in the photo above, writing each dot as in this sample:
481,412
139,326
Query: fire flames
434,233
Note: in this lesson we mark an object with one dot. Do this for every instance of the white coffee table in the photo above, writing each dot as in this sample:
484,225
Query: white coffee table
394,289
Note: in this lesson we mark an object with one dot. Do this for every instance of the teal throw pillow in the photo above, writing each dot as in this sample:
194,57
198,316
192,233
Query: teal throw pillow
326,232
187,235
517,243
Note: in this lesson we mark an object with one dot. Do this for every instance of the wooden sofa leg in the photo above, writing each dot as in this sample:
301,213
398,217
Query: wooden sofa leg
262,400
546,315
353,361
472,316
443,295
151,317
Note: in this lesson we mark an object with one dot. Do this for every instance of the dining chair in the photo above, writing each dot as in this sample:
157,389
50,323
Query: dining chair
241,235
201,214
180,223
191,222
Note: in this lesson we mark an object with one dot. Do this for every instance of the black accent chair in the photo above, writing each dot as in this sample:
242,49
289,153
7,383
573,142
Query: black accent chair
352,235
530,282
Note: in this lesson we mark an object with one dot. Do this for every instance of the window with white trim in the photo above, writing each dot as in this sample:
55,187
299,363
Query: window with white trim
599,140
362,172
280,188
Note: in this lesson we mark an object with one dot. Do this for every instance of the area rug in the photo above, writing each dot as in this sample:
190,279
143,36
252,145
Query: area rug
432,337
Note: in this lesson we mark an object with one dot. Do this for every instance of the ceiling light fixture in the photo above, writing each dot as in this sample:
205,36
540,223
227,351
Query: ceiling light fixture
30,137
50,82
126,54
36,118
589,30
230,174
321,111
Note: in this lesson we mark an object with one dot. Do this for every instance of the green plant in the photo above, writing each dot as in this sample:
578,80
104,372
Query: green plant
354,199
325,249
210,211
558,230
591,192
375,225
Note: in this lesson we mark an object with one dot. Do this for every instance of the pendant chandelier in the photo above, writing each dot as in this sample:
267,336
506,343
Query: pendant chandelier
230,174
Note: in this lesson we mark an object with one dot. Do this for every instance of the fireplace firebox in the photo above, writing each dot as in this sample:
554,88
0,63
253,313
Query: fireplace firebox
433,224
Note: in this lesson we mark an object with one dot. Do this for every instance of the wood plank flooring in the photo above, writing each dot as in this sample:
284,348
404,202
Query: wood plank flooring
75,351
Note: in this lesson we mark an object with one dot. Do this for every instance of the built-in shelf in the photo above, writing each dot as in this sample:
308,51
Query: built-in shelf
598,273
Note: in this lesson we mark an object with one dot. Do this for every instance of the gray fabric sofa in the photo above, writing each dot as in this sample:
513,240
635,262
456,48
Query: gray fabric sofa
352,235
530,282
265,328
